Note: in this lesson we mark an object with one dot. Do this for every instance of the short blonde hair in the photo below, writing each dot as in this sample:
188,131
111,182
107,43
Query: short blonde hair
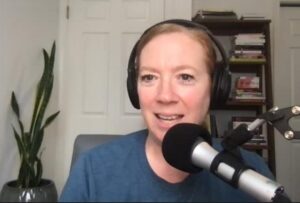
195,33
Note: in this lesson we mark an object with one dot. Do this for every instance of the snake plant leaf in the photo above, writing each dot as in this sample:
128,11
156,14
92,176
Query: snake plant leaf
42,87
46,59
37,106
19,143
36,144
42,109
21,127
31,174
26,141
50,119
46,85
26,172
22,174
14,104
39,171
52,56
15,107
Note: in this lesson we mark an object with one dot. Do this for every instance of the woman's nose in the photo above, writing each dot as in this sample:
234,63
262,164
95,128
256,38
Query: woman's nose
166,92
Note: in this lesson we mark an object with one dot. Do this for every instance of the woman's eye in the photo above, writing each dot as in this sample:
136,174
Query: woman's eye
147,78
186,77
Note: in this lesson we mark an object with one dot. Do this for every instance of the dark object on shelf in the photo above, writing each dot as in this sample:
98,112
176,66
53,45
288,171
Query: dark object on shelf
214,15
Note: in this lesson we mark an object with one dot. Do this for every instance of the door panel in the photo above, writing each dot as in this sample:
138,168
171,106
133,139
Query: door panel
286,86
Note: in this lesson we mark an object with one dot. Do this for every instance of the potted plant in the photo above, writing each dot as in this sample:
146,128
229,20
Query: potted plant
30,186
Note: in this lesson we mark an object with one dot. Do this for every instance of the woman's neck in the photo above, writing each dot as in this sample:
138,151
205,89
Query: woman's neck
158,163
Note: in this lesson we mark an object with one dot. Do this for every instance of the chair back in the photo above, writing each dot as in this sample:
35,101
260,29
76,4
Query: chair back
84,142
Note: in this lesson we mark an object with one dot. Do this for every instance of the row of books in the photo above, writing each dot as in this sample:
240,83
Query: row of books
248,88
248,46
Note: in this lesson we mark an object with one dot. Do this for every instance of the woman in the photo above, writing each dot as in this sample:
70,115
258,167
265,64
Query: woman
175,65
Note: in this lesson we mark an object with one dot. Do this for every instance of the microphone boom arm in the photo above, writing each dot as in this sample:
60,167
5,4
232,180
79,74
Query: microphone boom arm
279,118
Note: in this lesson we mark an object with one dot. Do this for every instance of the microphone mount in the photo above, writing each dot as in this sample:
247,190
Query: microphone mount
278,118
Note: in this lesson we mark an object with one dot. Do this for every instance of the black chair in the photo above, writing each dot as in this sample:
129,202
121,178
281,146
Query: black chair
84,142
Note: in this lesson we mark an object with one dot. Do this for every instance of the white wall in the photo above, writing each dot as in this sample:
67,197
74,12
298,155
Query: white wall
25,28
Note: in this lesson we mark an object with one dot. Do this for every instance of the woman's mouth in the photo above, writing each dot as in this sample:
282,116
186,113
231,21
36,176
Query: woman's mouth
173,117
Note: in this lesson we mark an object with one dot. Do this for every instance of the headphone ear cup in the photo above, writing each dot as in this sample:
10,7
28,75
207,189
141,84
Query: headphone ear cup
214,93
221,86
225,87
132,91
132,81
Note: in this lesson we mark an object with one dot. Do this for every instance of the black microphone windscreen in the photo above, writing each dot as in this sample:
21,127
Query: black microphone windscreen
179,142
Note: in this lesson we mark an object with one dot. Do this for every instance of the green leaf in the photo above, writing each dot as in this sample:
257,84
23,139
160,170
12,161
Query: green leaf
21,147
21,127
14,104
26,141
36,144
44,92
50,119
42,108
39,171
52,56
47,73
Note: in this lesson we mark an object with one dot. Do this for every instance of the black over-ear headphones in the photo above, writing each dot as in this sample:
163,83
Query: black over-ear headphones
221,76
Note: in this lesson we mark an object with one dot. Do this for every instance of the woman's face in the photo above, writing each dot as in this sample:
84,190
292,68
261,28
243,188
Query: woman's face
174,84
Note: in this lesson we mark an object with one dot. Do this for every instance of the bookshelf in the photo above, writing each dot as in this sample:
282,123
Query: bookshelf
247,43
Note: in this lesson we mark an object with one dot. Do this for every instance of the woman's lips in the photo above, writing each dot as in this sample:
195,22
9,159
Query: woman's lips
169,117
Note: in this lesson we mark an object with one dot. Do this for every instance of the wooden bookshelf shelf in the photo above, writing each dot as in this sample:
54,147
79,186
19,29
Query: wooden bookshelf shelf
247,61
255,146
246,102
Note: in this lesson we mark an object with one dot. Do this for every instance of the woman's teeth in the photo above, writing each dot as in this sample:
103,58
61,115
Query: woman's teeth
168,118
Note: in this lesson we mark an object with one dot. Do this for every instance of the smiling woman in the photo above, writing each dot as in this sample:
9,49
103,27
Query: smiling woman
171,78
178,83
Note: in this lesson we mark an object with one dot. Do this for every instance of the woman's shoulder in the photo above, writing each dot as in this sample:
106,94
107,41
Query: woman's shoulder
121,142
116,149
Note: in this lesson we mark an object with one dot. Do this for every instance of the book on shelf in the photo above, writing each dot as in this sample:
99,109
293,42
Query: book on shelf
248,88
248,46
252,16
247,83
248,98
214,15
245,38
244,60
243,51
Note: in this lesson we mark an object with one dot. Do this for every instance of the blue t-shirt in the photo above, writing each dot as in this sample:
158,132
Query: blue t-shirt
119,171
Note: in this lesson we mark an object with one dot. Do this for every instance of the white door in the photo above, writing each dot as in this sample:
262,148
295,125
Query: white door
287,93
99,35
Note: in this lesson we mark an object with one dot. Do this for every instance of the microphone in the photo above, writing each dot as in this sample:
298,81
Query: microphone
187,147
